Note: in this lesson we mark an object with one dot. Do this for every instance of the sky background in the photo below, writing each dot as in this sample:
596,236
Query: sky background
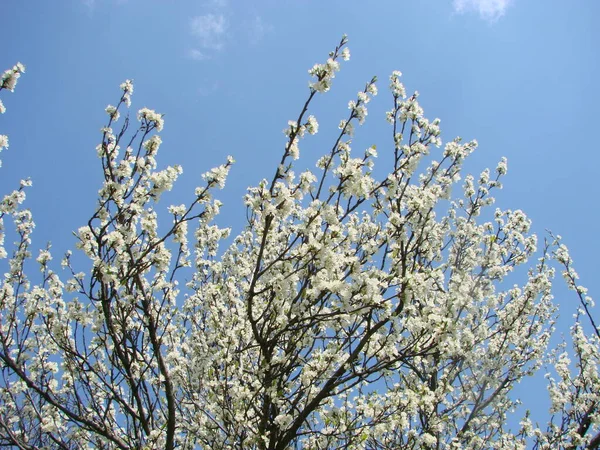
519,76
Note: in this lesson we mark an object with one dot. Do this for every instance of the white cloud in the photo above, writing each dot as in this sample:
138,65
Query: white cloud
488,9
257,29
198,55
90,4
217,4
210,30
219,25
208,89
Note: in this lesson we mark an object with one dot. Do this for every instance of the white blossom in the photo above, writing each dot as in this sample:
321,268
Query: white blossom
151,117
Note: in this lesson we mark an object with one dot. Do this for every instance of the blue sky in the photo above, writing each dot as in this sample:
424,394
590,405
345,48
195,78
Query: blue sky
520,76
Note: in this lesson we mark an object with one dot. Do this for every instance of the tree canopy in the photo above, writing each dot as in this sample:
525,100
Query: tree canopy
353,311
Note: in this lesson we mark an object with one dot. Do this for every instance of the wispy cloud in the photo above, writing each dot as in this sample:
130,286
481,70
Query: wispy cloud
219,25
208,88
217,4
197,55
490,10
210,30
90,4
257,29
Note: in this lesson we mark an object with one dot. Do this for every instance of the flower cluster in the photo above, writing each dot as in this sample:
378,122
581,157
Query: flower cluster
112,112
9,79
324,73
150,118
127,88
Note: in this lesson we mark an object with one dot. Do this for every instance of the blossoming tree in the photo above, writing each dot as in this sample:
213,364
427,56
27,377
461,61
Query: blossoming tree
351,312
